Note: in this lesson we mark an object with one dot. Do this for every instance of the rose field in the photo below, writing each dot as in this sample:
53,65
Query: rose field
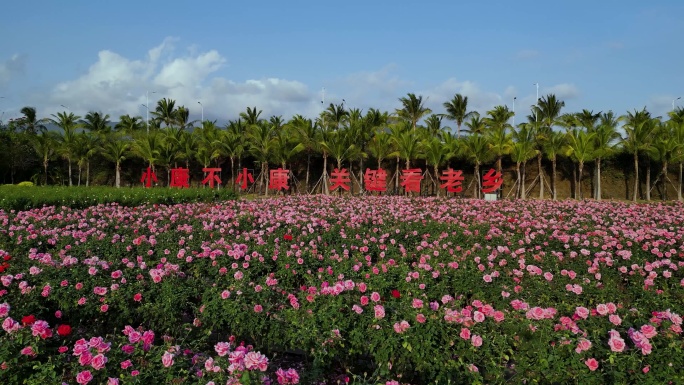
320,289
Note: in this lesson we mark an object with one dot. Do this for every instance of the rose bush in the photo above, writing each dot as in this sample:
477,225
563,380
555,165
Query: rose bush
410,290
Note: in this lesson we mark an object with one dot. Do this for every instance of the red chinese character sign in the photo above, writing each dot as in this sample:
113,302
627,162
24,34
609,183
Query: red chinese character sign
278,179
492,181
410,179
340,179
180,178
148,177
375,180
243,178
211,177
452,180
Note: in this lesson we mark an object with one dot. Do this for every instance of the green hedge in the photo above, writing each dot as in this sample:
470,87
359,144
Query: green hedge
26,198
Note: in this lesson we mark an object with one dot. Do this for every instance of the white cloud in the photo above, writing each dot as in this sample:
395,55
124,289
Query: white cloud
562,91
478,100
117,85
12,67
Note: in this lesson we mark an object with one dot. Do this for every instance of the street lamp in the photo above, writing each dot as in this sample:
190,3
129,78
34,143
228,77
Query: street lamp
147,99
673,102
515,97
200,103
62,105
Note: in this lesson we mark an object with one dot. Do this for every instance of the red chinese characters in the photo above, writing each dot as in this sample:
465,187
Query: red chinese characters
375,180
148,177
340,179
180,177
410,179
452,180
492,180
243,178
211,177
278,179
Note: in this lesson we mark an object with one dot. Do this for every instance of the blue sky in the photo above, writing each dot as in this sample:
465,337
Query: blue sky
277,55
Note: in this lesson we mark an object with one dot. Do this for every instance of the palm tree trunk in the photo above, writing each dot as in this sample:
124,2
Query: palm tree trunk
598,179
436,184
574,179
579,179
79,173
636,176
87,173
70,182
517,175
396,178
478,187
264,173
325,173
308,164
232,172
664,172
553,178
458,130
541,175
45,166
523,193
360,179
117,172
648,180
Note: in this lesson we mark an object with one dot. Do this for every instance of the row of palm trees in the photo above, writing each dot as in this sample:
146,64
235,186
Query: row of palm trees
410,136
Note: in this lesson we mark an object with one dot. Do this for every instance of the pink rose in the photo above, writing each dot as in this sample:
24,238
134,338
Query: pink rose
255,360
84,377
465,333
649,331
167,359
379,311
592,364
98,361
476,340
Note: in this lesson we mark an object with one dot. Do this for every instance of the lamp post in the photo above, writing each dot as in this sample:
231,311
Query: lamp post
515,97
673,102
147,101
200,103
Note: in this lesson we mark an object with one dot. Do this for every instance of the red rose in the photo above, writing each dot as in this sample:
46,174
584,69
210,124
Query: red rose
6,258
287,237
28,320
396,293
64,330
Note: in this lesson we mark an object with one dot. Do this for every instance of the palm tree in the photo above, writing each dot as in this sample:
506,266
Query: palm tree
639,127
148,148
475,148
408,146
605,141
435,154
44,145
546,114
130,124
67,141
86,146
261,144
166,112
412,109
305,130
677,129
380,146
553,147
96,123
457,110
476,125
497,131
29,121
231,147
251,116
664,149
522,151
333,116
580,150
115,150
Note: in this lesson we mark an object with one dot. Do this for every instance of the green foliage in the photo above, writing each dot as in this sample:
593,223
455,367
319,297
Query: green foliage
18,198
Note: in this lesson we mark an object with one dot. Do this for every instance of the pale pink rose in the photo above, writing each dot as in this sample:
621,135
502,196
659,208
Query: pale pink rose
256,360
112,381
4,310
649,331
167,359
582,312
222,348
615,319
375,297
476,340
602,309
592,364
583,344
417,303
379,311
420,318
616,344
98,361
358,309
499,316
465,333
